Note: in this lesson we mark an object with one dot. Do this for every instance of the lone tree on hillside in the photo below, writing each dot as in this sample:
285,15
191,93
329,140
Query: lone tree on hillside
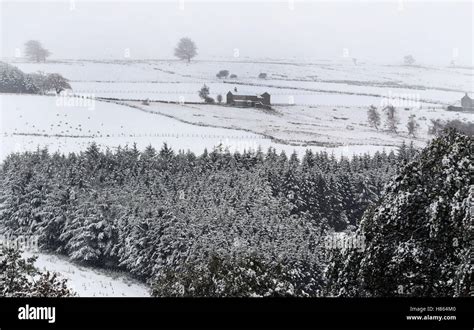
34,51
409,60
186,49
223,74
412,126
392,120
373,117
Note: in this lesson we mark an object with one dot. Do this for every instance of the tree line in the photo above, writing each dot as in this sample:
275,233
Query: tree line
13,80
218,224
249,224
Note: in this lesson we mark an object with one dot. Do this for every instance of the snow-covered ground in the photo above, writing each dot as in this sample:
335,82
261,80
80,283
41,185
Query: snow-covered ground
338,82
318,104
31,121
90,282
308,125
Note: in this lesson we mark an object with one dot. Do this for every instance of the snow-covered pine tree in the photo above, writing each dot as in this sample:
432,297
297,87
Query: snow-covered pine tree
20,278
418,237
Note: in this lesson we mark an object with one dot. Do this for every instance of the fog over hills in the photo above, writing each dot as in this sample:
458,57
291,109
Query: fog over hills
382,31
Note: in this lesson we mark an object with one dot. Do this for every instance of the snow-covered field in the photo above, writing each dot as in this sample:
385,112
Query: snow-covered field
310,83
307,125
318,104
90,282
31,121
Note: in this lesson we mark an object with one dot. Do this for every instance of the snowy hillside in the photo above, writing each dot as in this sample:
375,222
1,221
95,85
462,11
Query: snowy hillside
318,104
30,121
310,83
308,125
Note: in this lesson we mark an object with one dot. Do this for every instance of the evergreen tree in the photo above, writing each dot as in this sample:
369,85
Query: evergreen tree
19,278
417,238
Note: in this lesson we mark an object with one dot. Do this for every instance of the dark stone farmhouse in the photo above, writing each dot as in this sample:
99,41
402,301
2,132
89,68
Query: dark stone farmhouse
248,101
467,105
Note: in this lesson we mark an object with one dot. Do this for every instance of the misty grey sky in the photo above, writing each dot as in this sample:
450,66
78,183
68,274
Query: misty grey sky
370,30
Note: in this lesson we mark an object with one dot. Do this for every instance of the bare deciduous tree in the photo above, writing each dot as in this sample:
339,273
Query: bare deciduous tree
34,51
409,60
391,121
186,49
373,117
